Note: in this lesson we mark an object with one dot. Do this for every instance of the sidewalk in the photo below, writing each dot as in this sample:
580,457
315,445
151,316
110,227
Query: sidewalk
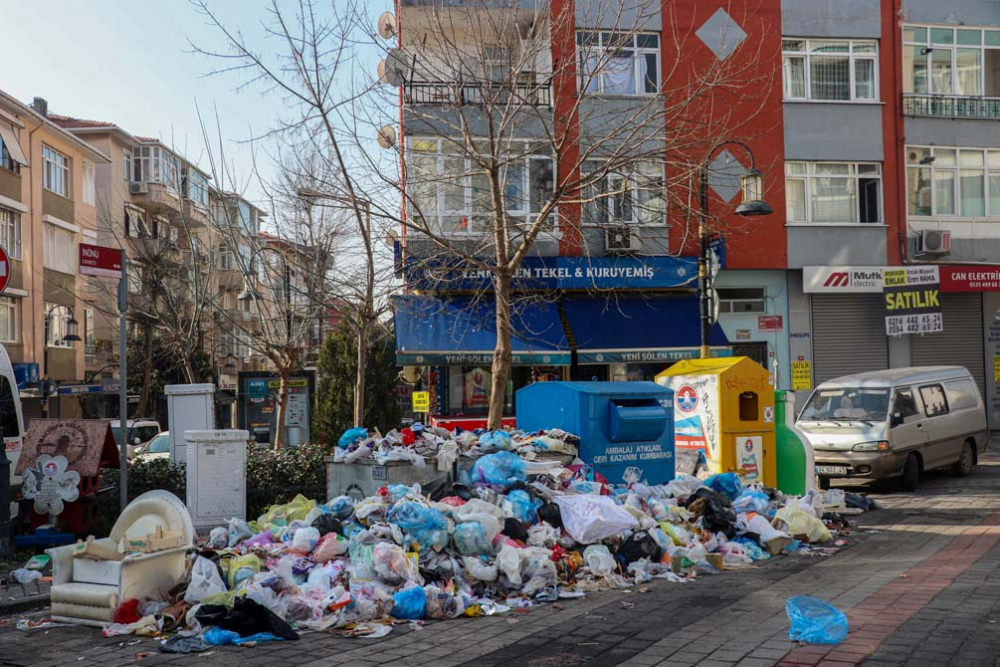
15,598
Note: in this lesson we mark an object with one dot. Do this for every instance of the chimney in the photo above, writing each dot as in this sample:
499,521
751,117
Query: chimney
40,106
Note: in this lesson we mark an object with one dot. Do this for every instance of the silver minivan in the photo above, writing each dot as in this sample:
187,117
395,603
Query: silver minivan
895,423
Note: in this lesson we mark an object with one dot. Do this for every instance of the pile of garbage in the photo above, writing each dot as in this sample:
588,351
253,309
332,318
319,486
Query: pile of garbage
518,534
417,443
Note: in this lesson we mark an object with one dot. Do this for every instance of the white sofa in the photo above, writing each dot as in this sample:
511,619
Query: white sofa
88,592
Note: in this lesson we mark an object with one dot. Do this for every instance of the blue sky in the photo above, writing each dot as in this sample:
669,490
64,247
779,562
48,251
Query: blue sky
129,62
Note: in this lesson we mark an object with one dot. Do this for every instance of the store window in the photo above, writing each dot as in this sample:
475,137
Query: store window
742,300
469,390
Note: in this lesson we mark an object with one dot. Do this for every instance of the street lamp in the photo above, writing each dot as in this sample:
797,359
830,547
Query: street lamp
752,204
70,337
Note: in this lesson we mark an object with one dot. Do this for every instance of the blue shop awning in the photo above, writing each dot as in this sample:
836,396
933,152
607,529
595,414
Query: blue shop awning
461,330
638,329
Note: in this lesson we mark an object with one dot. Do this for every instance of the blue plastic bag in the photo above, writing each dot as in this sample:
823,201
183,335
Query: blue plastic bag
399,491
814,621
341,507
216,636
521,506
409,604
501,469
751,501
471,539
496,440
726,483
424,525
351,436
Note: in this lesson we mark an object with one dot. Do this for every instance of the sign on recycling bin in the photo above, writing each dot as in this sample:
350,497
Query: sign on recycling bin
421,401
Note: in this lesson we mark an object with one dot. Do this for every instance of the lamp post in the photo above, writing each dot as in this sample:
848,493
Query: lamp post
70,337
752,204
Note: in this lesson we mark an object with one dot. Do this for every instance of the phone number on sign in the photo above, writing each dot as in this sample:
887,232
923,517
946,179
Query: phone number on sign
898,325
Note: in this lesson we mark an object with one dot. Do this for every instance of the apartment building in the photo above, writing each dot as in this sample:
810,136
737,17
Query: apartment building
875,124
48,206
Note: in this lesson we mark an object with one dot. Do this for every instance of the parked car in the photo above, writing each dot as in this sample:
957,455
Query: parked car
140,431
157,448
895,424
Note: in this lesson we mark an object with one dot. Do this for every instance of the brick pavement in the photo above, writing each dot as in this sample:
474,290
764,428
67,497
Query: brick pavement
920,583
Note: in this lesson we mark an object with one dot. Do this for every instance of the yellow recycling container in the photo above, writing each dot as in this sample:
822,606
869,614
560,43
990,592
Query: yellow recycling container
724,406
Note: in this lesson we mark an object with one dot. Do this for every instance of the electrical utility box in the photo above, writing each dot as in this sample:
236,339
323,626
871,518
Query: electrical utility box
190,407
216,477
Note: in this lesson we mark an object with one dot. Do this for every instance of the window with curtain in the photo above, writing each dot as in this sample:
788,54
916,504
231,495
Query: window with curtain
830,70
89,184
633,194
9,319
58,249
833,192
55,176
614,63
10,232
962,61
952,182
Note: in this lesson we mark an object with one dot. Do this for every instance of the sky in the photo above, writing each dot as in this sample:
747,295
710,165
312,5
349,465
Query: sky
130,62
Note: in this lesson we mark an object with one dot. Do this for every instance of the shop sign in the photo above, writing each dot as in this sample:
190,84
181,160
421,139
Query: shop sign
421,401
96,260
970,278
801,375
842,279
912,300
996,368
483,359
743,334
770,323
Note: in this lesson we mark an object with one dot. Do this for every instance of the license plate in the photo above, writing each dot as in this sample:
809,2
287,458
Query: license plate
832,470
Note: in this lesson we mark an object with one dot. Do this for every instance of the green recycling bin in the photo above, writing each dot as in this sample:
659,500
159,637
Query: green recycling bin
796,464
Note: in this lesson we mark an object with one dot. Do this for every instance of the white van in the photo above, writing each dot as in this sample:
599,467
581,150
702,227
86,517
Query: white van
895,423
11,418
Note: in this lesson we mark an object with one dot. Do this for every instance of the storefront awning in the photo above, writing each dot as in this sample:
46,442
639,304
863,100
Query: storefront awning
638,329
461,330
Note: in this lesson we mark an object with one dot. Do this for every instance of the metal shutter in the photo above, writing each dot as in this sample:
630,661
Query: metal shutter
961,342
848,332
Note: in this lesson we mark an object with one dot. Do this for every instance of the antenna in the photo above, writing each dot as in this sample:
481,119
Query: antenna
387,25
386,136
394,69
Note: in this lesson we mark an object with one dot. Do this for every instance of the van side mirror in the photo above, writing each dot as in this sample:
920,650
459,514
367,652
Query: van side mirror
136,441
895,420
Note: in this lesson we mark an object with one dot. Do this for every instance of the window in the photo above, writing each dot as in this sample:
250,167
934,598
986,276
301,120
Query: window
450,192
89,184
153,164
10,232
961,394
905,403
633,195
135,223
952,182
838,70
134,275
55,176
613,63
8,319
59,249
833,192
6,161
951,61
127,164
741,300
196,187
58,325
847,404
935,403
226,261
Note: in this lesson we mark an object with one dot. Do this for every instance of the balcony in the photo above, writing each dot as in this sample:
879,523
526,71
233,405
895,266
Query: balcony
458,94
948,106
156,198
195,215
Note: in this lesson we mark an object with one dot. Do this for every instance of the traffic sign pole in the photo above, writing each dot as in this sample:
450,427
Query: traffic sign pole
123,385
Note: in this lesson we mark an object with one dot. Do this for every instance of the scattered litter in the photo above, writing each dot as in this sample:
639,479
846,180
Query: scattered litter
814,621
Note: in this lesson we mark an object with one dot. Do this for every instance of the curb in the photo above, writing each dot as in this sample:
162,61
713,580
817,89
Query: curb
18,605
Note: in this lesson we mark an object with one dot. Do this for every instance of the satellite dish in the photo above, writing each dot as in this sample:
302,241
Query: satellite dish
386,136
394,69
381,72
387,25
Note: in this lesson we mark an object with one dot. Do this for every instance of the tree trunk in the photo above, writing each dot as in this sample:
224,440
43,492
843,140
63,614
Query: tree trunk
147,373
359,380
279,420
502,355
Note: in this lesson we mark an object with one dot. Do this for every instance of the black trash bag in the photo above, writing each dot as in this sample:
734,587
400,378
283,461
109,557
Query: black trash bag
716,515
640,545
705,492
515,530
328,523
246,618
436,489
549,513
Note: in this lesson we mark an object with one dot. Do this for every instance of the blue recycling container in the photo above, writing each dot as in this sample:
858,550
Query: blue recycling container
626,429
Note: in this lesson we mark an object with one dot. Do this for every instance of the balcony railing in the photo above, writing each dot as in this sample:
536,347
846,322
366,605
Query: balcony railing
454,93
946,106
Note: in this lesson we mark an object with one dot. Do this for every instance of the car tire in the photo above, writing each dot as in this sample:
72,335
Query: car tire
824,483
963,466
911,474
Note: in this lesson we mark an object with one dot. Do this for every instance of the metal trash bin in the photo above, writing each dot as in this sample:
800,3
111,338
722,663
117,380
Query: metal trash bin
626,429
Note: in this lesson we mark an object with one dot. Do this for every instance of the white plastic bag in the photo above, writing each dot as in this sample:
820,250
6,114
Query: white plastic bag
589,518
509,562
205,581
305,540
599,559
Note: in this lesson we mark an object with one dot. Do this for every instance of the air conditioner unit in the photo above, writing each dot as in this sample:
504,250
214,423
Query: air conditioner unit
138,188
621,239
933,242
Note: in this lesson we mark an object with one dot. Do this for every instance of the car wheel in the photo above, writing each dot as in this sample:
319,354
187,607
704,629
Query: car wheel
911,474
824,483
963,466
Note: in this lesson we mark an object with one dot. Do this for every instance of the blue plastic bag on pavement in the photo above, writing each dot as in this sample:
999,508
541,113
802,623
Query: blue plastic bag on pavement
424,525
726,483
751,501
351,436
501,469
814,621
409,604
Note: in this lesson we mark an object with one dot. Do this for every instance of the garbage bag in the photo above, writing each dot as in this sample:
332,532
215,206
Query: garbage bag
683,485
519,505
716,516
727,483
589,518
239,530
751,500
326,524
802,524
539,570
393,566
479,568
496,440
705,492
639,545
242,568
549,513
341,507
182,644
351,436
471,539
220,637
305,540
218,538
247,617
509,562
542,535
443,604
515,530
757,525
370,511
398,492
282,515
501,469
815,621
409,603
205,581
330,546
474,507
424,525
599,559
